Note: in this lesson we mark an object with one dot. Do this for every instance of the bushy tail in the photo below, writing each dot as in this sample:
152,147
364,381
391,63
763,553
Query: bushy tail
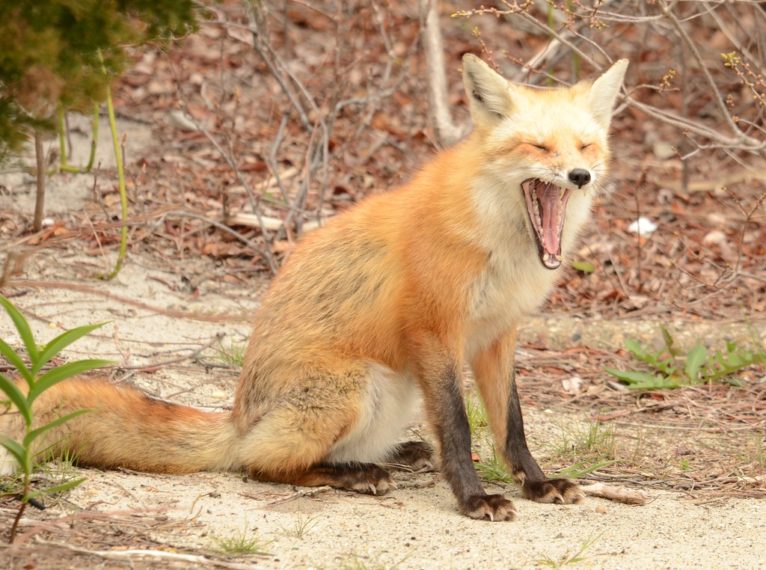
126,428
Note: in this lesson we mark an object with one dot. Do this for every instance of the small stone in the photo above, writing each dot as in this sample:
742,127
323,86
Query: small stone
715,237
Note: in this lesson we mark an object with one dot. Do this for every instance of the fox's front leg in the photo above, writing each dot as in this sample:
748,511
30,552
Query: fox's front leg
495,376
440,379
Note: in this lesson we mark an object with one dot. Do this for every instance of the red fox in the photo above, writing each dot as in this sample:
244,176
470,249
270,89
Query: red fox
383,306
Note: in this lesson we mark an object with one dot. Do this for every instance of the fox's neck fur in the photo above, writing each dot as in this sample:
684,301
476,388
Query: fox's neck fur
479,218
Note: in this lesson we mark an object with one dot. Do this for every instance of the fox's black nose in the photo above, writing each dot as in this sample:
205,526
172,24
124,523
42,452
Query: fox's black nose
579,176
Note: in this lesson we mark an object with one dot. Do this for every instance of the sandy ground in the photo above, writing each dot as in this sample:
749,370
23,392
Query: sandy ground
415,526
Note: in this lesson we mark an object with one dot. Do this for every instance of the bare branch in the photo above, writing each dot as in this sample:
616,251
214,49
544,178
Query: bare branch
446,131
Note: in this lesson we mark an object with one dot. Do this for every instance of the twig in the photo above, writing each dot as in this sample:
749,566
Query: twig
665,9
636,194
191,356
617,494
446,131
297,495
267,55
192,316
37,222
264,251
160,554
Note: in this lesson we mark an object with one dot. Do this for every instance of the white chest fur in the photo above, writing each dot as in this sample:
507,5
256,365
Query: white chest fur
514,282
511,287
387,407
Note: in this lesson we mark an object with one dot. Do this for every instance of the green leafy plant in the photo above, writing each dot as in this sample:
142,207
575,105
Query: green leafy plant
583,266
60,55
673,367
53,53
23,395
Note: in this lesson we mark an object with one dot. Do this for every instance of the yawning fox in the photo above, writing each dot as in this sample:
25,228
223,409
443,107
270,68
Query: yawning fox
382,307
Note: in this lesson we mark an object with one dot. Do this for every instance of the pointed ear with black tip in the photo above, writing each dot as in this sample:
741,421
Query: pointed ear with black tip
488,92
604,91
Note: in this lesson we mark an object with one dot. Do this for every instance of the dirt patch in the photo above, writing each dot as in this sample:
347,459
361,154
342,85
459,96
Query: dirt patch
207,130
68,192
162,347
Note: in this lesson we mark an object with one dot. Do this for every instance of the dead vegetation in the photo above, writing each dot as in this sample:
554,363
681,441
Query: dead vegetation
279,114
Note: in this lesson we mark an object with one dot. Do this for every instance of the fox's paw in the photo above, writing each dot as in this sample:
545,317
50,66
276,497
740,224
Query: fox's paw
368,478
413,455
493,508
559,491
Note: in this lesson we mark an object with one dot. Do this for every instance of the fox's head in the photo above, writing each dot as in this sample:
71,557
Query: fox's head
542,146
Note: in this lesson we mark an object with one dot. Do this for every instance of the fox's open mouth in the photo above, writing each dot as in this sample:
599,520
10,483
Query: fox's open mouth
546,206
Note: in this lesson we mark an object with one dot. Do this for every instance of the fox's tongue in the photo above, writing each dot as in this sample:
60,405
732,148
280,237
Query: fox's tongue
550,206
547,208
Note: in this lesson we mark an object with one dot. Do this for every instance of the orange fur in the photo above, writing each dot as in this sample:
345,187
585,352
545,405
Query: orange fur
384,303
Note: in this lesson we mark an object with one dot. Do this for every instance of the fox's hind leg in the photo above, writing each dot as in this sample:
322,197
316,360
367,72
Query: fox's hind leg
412,455
494,372
329,428
360,477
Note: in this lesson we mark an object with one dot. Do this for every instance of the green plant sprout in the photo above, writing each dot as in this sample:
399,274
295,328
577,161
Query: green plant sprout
121,185
566,559
242,543
672,367
37,382
64,165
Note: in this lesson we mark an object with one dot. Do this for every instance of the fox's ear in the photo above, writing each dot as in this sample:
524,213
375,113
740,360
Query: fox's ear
488,92
604,90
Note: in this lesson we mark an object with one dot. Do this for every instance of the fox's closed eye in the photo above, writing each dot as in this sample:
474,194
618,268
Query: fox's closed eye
584,146
541,147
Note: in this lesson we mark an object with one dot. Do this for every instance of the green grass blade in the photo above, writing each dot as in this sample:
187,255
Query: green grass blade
22,326
56,375
632,377
60,343
494,469
15,395
60,488
15,449
584,266
13,357
35,433
579,470
696,357
667,338
634,347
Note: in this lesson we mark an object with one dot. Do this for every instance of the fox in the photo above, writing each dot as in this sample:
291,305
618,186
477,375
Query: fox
380,310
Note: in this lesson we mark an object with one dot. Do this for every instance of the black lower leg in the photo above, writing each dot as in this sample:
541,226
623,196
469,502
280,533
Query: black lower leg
534,484
413,455
457,466
523,464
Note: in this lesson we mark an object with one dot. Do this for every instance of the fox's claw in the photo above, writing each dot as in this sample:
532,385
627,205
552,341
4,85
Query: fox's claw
557,491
